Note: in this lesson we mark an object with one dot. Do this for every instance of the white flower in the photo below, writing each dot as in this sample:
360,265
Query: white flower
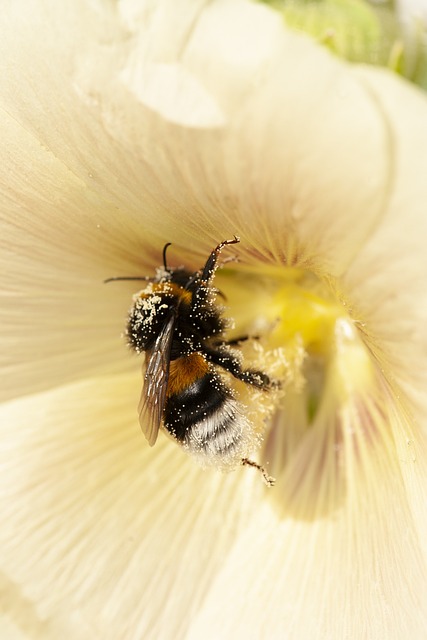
128,125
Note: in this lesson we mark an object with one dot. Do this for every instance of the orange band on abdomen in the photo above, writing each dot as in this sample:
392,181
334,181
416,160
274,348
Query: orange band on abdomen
184,371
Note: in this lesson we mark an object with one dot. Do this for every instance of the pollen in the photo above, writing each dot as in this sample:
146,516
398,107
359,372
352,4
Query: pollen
306,338
329,416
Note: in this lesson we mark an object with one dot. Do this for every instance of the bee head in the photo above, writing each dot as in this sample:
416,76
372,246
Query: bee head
148,314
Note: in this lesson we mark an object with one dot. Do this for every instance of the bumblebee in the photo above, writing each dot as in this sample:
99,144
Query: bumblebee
177,323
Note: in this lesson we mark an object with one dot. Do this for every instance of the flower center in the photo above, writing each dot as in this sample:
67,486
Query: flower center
298,319
309,342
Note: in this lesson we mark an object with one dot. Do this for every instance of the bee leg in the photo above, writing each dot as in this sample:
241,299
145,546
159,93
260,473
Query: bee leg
232,364
269,480
231,343
258,379
228,260
203,279
236,341
211,262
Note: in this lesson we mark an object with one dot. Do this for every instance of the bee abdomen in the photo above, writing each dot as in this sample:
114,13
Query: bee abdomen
219,434
201,399
206,418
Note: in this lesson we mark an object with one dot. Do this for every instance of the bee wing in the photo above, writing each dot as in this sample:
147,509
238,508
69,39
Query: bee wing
156,377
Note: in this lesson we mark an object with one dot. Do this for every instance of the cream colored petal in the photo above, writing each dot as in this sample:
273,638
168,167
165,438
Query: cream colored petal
93,182
348,559
11,631
387,280
61,231
410,11
306,150
298,123
188,97
172,90
103,536
72,206
302,135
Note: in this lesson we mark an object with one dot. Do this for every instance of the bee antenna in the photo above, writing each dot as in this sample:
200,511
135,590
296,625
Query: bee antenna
146,278
168,244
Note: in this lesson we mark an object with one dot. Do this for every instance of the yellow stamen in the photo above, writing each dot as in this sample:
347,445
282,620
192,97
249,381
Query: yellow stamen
306,333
